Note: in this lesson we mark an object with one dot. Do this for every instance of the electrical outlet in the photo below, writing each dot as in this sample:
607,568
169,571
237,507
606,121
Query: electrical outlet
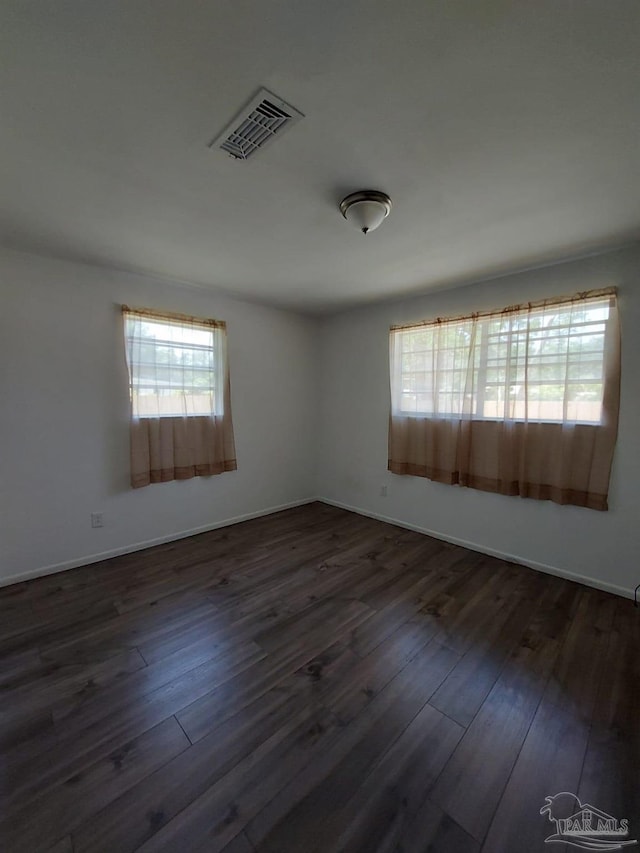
383,491
96,519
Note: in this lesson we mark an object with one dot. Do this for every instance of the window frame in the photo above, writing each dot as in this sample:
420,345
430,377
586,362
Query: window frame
216,346
483,321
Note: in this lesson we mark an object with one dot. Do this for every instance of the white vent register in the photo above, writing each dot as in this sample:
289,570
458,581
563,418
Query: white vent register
263,118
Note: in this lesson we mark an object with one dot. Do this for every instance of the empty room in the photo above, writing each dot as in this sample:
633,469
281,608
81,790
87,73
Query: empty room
320,424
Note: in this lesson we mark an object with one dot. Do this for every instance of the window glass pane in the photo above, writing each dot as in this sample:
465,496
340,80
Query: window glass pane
175,368
542,363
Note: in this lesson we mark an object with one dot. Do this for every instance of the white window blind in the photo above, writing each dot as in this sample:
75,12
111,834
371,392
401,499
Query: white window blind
176,364
541,362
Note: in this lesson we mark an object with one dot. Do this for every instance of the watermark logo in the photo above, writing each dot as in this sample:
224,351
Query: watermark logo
583,825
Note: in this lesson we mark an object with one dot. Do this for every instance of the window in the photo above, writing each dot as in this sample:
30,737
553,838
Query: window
180,395
522,401
175,364
543,363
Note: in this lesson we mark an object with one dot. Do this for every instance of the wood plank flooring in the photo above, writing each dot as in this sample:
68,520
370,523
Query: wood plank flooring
311,681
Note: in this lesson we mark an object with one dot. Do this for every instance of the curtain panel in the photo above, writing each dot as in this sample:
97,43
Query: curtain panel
180,396
522,401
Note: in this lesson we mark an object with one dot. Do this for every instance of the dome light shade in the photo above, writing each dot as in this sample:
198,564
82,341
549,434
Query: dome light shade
366,209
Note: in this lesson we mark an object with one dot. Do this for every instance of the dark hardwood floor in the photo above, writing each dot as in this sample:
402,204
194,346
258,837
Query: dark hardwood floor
311,681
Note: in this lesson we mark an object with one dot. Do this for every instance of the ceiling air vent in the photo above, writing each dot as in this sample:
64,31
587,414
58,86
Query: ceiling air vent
264,117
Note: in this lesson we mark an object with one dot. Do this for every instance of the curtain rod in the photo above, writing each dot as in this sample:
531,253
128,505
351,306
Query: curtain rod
582,296
170,315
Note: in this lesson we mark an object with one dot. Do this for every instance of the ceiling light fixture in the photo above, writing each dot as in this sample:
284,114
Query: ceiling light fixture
366,209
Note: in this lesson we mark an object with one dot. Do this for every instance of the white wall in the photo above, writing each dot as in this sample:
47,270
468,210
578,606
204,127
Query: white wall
64,433
64,410
601,548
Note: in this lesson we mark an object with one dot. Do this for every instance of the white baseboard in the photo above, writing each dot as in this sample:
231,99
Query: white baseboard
184,534
492,552
149,543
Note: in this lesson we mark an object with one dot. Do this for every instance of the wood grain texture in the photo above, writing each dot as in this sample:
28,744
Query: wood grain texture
312,680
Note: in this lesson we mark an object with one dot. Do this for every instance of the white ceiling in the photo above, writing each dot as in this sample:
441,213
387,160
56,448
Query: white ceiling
507,134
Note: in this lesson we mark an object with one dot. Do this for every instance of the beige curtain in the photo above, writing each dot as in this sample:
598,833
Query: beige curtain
180,393
522,401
